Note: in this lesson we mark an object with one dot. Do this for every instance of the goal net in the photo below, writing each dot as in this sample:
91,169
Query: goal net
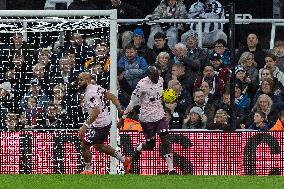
49,37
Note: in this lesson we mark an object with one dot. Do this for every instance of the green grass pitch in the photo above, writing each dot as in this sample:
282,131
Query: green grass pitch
55,181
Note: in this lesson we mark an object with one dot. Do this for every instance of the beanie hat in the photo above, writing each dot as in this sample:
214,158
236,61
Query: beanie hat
215,56
139,32
197,110
239,69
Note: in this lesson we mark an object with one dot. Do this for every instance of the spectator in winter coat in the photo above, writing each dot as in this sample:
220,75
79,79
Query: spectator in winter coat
160,45
207,9
167,9
142,50
195,119
271,65
279,125
220,48
196,54
135,66
265,104
279,52
220,121
180,106
259,122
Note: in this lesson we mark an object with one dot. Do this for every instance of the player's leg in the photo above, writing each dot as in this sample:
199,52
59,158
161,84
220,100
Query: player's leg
100,138
150,141
167,151
107,149
87,156
163,131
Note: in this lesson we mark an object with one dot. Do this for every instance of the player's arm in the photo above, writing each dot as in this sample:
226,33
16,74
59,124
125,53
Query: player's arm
114,100
134,100
91,119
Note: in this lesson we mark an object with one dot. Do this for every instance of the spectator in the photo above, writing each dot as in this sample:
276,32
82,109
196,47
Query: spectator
207,9
4,59
279,125
33,113
220,70
64,74
239,112
134,65
102,57
259,122
44,57
36,91
100,76
255,49
196,54
195,119
247,62
21,72
264,74
218,85
125,11
27,50
164,63
67,106
180,106
167,9
184,76
42,78
220,47
6,103
268,87
265,104
54,119
242,99
279,52
220,121
207,89
11,122
142,50
208,109
82,51
160,45
241,76
180,53
270,64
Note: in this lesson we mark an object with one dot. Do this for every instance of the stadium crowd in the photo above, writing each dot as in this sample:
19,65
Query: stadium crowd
39,87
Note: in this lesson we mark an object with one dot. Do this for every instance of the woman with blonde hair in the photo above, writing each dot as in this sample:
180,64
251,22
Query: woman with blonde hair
250,66
163,63
265,104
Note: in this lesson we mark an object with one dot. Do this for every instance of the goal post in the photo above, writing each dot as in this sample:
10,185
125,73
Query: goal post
57,16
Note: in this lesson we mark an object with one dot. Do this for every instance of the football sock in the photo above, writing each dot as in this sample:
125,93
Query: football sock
139,147
118,156
89,167
169,160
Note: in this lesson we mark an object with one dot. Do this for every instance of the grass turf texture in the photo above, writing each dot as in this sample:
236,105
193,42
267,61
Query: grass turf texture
137,181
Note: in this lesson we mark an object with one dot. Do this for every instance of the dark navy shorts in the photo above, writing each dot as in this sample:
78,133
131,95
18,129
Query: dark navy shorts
150,129
97,135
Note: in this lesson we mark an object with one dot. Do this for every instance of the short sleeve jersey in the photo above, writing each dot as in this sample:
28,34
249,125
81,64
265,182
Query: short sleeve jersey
94,96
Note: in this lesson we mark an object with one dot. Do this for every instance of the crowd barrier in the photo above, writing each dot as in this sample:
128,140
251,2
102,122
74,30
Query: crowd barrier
196,153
